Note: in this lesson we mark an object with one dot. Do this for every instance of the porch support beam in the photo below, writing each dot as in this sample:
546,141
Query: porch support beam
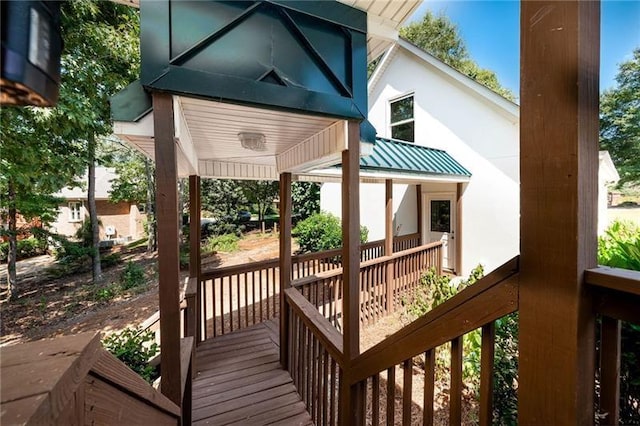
458,235
351,398
194,245
168,251
388,241
285,263
558,168
419,211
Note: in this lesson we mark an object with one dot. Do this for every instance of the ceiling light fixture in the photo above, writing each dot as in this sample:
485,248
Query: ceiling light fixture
253,141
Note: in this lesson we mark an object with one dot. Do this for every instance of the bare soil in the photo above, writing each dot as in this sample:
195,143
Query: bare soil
55,307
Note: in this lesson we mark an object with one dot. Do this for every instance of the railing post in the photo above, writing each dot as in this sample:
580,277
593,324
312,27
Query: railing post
610,342
285,264
191,316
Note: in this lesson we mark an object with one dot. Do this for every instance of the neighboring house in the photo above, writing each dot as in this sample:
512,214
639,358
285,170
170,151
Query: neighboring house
607,176
122,220
417,98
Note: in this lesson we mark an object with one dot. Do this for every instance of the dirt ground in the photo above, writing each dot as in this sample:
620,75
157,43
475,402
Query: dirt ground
50,308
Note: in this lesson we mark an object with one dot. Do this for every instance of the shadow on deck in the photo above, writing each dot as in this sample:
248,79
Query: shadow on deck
239,381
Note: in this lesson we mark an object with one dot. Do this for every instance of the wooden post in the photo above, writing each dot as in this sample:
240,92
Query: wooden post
388,242
350,396
194,248
419,213
610,338
558,169
168,244
458,264
285,263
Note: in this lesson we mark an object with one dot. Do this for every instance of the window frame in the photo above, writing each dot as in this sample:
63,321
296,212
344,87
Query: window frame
71,205
393,124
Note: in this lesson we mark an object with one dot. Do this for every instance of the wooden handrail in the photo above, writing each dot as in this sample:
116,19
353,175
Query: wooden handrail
492,297
316,277
615,279
330,338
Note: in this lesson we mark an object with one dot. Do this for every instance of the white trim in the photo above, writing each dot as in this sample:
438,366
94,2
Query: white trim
381,176
386,59
390,124
427,197
72,218
507,108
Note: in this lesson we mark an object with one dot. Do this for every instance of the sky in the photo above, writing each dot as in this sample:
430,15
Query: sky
490,30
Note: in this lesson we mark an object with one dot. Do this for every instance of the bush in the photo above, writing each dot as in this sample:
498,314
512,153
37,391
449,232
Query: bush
505,375
322,231
132,347
619,247
225,243
29,247
132,276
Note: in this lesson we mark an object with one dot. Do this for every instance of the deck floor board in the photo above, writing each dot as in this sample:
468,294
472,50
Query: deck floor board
239,381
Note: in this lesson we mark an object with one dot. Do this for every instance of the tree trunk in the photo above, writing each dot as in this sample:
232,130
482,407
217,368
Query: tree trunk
151,219
13,244
93,212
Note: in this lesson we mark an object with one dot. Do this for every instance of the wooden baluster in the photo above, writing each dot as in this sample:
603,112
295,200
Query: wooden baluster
325,385
407,391
333,419
391,395
314,379
486,373
203,319
610,370
375,400
230,303
429,384
455,402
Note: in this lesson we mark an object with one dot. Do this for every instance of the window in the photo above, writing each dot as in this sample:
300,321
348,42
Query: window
75,211
402,123
440,216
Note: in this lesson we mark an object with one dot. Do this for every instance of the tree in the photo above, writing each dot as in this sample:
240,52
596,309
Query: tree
34,164
440,37
222,197
306,199
620,120
260,193
135,183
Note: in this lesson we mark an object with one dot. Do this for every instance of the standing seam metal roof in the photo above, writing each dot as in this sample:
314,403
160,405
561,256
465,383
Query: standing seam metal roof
394,155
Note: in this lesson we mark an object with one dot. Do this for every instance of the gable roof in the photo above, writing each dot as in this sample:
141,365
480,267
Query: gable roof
495,100
104,177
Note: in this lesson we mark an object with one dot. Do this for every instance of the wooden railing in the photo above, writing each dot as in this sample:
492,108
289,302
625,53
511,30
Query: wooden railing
383,282
477,306
616,294
236,297
315,359
73,380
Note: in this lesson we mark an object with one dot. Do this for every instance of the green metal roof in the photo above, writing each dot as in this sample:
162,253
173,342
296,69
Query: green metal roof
397,156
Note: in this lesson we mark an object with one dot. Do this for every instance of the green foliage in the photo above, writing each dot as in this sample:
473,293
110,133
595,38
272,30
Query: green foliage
225,243
131,183
132,276
322,231
222,198
619,247
29,247
505,372
105,294
134,347
620,120
441,38
261,194
111,259
306,199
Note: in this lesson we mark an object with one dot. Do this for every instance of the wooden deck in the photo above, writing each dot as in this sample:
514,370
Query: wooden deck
239,381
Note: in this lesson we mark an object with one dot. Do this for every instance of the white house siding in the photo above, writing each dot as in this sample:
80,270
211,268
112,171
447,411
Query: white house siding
479,134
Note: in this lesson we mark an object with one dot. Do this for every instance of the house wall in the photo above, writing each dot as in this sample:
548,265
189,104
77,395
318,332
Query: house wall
125,217
483,137
372,207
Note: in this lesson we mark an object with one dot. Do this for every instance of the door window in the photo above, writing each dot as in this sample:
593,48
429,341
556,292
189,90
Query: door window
440,216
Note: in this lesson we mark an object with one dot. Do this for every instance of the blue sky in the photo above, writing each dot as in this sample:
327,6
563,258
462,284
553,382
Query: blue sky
490,30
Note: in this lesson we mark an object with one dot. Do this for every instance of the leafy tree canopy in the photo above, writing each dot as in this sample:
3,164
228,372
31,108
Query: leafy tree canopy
620,120
306,199
441,38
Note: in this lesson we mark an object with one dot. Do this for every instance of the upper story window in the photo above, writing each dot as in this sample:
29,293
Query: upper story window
75,211
402,122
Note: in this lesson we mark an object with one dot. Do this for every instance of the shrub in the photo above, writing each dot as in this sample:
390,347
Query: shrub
322,231
619,247
132,276
132,347
505,375
111,259
29,247
225,243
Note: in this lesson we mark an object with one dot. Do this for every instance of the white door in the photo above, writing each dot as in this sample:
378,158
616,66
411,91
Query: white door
440,223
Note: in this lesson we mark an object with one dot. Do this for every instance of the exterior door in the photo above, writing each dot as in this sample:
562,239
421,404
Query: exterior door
440,225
